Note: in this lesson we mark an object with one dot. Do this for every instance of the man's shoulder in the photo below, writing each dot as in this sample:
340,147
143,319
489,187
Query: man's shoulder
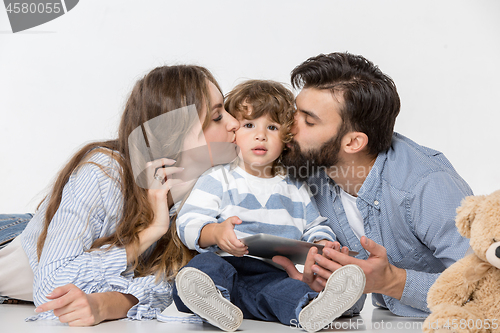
402,145
406,163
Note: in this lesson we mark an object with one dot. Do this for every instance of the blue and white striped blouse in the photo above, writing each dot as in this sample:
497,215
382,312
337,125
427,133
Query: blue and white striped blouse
276,206
90,208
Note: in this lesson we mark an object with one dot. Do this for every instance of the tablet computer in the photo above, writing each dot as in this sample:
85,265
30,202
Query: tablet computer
268,246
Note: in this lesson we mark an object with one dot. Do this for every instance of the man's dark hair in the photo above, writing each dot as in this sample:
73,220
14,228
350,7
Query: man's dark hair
371,99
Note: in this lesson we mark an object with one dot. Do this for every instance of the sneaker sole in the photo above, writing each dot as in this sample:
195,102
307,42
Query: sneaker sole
199,293
343,289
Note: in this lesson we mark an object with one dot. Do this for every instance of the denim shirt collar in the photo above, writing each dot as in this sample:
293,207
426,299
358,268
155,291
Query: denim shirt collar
370,190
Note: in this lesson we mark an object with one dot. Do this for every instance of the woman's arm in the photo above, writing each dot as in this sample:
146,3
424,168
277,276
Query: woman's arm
71,305
90,208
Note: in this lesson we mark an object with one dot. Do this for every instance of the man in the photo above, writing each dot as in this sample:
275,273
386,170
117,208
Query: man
386,197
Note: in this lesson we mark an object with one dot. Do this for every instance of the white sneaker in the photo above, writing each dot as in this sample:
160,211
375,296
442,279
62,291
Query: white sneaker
199,293
343,289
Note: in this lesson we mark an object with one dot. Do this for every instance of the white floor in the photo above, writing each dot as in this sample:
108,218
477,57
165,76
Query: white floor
371,320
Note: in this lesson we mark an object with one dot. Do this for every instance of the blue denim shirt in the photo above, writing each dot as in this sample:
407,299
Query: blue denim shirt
408,203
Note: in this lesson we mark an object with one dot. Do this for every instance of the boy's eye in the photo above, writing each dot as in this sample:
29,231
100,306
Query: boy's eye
218,118
272,127
248,125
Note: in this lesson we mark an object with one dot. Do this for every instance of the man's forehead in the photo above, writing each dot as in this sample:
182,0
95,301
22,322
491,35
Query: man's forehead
319,101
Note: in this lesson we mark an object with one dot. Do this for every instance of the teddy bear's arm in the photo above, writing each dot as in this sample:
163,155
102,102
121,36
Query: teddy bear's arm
451,286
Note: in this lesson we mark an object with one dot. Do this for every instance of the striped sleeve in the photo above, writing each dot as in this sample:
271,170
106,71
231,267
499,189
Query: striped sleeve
202,207
90,208
317,227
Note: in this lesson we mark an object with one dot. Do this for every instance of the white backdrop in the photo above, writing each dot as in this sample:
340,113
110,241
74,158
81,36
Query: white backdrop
64,83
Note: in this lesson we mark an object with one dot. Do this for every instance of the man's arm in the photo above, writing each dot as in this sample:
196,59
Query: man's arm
432,208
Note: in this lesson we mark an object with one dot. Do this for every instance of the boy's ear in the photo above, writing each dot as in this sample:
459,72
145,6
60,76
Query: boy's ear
354,142
466,214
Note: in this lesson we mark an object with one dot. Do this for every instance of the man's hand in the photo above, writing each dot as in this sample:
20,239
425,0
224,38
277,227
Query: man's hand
315,282
71,305
381,276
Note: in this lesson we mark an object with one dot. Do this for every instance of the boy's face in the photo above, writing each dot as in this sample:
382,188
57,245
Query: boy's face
260,145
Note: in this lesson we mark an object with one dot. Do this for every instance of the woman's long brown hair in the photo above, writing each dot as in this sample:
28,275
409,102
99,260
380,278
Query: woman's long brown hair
162,90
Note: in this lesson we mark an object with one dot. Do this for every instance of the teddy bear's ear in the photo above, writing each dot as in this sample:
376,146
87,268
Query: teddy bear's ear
466,214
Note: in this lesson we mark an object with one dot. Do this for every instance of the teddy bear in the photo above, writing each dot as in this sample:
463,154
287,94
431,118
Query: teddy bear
466,296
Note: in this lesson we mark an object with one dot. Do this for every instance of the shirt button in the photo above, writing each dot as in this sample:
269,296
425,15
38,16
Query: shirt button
376,202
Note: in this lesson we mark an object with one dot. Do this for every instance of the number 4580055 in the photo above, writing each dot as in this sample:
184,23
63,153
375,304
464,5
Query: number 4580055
26,7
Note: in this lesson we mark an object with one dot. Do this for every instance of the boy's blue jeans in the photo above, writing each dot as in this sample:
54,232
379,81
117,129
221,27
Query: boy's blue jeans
11,226
260,290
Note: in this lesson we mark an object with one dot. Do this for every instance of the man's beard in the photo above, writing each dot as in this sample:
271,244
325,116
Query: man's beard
302,165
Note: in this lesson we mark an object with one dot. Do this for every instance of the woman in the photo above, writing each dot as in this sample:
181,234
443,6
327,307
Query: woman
100,245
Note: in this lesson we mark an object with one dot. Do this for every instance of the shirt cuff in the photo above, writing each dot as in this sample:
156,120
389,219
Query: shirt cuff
197,247
153,298
319,237
416,288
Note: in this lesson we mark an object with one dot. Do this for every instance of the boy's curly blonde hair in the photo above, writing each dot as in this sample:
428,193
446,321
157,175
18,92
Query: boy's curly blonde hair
265,97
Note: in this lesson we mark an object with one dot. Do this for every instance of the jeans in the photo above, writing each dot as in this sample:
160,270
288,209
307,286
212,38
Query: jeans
11,226
260,290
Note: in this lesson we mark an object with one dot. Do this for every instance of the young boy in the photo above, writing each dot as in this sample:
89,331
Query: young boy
250,196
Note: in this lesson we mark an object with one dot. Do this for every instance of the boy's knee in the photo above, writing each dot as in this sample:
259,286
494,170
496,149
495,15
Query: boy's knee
204,258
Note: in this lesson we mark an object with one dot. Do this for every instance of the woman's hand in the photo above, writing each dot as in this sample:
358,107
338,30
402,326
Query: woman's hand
159,185
71,305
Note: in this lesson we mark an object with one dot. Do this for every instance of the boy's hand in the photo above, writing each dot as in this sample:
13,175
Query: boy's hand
226,237
326,243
